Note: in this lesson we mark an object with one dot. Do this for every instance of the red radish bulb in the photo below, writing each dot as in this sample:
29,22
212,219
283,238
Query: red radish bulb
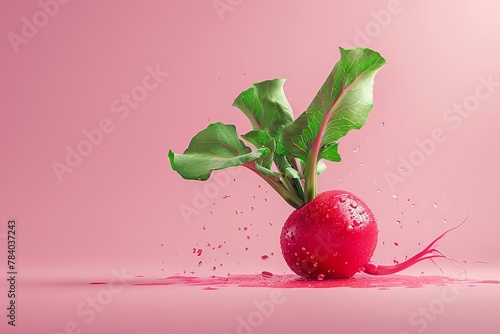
333,236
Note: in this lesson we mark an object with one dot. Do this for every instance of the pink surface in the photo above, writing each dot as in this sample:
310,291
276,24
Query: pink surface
122,83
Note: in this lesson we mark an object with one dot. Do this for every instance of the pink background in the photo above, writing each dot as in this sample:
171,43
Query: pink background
120,208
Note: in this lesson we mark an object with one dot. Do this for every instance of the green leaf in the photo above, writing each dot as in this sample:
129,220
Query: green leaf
216,147
262,139
321,167
285,167
266,106
342,104
291,172
330,152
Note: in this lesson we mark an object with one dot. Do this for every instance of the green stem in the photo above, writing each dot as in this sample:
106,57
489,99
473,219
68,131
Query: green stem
290,198
311,175
287,184
298,188
311,170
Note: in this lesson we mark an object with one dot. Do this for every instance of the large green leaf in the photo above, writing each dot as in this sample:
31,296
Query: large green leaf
342,104
266,106
216,147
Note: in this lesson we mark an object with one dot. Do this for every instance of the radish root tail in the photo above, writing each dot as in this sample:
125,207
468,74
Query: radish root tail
428,253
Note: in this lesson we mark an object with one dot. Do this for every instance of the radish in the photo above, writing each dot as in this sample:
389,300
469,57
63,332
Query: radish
331,235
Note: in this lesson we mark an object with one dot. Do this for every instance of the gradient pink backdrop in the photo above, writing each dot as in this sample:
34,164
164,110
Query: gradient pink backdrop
120,207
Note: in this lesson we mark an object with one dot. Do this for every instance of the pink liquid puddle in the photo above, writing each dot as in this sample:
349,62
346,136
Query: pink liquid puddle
290,281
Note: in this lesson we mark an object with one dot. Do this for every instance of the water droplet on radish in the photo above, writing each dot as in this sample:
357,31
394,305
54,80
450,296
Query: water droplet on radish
303,248
321,277
349,228
343,199
353,205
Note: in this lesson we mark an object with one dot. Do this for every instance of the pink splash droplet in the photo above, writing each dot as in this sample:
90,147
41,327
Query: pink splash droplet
266,274
264,257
